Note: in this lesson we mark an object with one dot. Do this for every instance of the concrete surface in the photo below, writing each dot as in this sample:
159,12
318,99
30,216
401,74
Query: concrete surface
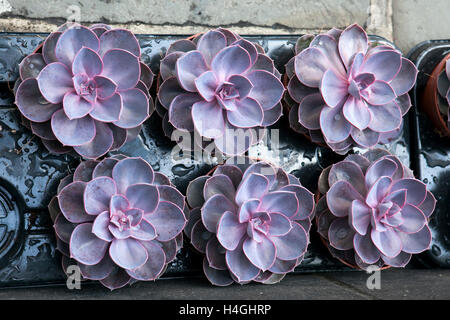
191,16
406,21
417,20
268,13
395,284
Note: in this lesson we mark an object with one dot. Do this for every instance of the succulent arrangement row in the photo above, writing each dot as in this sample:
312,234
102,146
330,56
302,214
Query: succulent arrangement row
86,92
121,222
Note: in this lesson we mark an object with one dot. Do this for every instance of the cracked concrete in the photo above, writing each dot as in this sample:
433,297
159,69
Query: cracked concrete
415,21
193,16
405,21
379,21
290,14
5,7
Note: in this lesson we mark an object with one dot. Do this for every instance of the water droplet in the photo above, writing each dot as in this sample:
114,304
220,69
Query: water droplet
42,100
342,233
156,166
436,250
436,158
181,170
337,117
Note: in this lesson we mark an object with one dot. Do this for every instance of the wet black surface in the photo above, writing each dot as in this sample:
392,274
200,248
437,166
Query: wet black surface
29,175
431,153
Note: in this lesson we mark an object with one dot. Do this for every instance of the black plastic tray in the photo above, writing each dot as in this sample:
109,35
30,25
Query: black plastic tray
29,175
431,153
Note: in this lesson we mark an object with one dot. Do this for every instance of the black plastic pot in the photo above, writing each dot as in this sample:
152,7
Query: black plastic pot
29,175
431,152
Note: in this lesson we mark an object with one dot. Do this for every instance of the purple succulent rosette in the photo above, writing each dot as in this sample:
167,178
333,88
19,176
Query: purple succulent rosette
346,92
118,220
250,221
443,85
373,211
86,90
219,86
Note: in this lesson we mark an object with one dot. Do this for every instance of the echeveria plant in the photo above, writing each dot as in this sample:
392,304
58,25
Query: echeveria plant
373,211
250,221
444,92
218,83
118,220
346,91
86,90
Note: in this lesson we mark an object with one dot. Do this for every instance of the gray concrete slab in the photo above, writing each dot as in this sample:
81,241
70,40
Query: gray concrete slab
417,20
311,286
406,21
194,16
399,284
395,284
307,14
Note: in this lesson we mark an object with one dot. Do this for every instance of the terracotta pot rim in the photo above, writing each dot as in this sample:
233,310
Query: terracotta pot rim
430,100
39,47
194,36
